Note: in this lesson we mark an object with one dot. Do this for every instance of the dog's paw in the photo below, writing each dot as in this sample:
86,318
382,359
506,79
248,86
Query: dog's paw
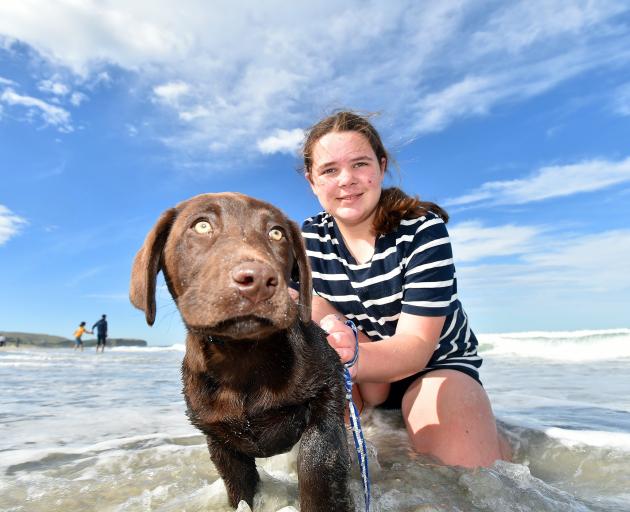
243,507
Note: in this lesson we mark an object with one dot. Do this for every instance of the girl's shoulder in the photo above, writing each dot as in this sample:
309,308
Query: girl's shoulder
319,223
429,224
413,234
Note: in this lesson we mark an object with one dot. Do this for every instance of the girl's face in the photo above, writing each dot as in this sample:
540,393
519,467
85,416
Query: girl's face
346,177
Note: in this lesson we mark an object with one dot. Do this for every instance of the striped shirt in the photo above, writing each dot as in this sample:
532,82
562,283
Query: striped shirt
411,271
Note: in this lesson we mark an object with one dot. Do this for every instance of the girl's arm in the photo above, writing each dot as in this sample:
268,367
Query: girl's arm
402,355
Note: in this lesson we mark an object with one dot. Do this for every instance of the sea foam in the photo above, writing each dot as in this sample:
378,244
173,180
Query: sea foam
559,346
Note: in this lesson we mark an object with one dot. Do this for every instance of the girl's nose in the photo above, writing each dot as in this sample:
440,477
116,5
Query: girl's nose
345,177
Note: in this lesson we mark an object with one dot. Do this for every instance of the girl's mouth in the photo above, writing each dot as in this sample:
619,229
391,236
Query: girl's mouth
349,197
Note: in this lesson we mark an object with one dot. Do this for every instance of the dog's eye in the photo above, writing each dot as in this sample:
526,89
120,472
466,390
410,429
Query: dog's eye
202,227
276,234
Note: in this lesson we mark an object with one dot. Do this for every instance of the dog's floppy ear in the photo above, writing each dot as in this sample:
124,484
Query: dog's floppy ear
147,264
301,272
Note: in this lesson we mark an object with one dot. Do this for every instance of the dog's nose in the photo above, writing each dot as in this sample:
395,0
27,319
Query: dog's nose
254,280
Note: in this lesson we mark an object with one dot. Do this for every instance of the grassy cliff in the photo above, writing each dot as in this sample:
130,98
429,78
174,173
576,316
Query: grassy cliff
47,340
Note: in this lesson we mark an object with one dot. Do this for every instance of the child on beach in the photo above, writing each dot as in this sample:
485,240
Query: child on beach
78,342
383,260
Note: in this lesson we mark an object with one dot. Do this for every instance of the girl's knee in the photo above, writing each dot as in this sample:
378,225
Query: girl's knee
449,416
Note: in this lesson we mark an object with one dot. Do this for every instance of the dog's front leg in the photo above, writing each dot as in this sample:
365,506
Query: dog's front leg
323,464
237,470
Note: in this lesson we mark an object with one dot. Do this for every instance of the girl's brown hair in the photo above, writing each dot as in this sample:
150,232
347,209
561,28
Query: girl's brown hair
394,205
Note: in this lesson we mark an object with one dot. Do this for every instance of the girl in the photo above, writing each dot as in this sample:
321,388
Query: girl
80,331
383,260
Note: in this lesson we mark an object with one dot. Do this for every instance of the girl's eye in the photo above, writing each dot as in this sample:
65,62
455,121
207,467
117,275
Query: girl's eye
202,227
330,170
360,164
276,234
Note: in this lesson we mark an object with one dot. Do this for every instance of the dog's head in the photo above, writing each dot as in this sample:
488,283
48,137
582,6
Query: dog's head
227,259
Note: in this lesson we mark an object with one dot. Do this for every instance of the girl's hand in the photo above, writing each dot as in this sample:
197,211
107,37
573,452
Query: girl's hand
341,338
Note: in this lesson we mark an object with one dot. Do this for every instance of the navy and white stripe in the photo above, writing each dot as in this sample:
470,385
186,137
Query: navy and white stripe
411,271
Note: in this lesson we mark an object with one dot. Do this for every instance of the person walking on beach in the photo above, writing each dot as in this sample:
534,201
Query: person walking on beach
78,342
383,260
101,333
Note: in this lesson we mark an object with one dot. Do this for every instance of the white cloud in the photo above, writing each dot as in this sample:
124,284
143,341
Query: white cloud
550,181
477,94
83,35
98,78
598,262
76,98
171,92
621,100
6,81
561,281
195,113
51,114
89,273
566,265
53,87
472,95
10,224
283,141
132,130
472,241
243,69
523,24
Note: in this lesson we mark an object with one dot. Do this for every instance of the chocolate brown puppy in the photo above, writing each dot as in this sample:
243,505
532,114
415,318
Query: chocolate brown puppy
258,375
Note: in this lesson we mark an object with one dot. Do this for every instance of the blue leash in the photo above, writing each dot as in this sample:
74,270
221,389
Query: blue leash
355,422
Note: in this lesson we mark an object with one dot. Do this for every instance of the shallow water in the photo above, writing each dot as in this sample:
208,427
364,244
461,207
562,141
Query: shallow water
80,431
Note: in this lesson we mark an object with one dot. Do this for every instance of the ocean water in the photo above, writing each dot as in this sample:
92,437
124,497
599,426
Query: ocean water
107,432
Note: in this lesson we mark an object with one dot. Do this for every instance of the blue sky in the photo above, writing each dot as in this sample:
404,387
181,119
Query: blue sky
515,116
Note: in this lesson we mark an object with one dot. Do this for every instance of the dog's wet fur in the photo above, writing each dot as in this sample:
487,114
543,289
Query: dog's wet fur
258,375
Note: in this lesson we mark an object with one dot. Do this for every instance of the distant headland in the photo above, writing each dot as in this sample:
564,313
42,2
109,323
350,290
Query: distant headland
50,341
